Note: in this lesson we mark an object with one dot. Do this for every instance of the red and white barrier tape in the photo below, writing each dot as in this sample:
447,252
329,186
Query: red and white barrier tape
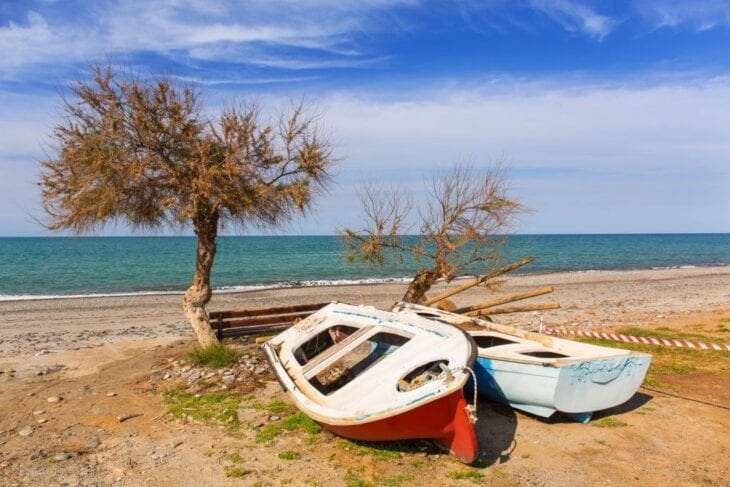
640,340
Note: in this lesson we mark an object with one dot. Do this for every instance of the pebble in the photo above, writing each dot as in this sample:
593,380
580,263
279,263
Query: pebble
111,394
36,413
167,376
42,420
26,432
55,399
274,418
9,371
92,443
260,370
61,457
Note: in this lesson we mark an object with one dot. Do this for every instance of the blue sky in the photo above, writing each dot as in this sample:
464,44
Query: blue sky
610,116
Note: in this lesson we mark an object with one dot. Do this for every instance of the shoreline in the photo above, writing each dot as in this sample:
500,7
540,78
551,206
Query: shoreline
337,283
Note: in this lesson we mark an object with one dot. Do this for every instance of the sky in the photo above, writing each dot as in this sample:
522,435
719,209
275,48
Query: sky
609,117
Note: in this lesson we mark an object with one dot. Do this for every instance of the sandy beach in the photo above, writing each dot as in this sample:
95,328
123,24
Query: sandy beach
588,299
99,359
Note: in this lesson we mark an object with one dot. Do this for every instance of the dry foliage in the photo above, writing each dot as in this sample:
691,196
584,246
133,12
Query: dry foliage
144,153
463,223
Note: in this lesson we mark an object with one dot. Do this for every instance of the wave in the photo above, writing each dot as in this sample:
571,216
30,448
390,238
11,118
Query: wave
217,290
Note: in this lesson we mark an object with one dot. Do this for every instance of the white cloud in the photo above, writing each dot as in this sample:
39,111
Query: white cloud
585,157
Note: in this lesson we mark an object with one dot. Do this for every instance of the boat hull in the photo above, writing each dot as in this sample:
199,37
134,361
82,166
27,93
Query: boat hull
576,389
444,420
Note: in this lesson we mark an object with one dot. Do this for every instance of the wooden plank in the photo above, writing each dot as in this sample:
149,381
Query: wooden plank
254,330
517,309
264,320
242,313
505,299
478,280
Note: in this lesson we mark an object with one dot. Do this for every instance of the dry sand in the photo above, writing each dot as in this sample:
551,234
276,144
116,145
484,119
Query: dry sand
85,349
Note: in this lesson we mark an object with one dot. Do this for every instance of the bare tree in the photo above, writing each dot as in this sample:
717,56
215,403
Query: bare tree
462,223
144,153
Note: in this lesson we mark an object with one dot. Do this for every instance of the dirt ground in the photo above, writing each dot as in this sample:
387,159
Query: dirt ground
672,432
678,438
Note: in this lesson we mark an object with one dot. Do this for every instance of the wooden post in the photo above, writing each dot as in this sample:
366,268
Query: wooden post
505,299
478,280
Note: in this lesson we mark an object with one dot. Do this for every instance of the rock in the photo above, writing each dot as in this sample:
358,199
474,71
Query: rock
26,432
260,370
167,376
92,443
194,376
62,456
274,418
9,371
55,399
229,379
42,420
111,394
123,417
39,412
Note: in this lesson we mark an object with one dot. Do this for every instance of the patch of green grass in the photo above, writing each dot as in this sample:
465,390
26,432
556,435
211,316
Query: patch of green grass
392,480
724,320
216,356
648,381
471,475
234,458
417,464
649,409
289,455
268,433
237,472
218,406
275,407
380,451
310,482
301,421
609,422
353,480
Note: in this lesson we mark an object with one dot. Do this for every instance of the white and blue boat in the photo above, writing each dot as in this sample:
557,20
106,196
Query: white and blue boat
542,375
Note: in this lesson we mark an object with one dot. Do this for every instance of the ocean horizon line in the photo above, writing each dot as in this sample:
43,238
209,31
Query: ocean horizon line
599,234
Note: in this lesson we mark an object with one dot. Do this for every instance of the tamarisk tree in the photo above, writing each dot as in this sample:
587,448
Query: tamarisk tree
461,224
144,153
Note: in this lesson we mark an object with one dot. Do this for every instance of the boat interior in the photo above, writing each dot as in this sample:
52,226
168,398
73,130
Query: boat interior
496,340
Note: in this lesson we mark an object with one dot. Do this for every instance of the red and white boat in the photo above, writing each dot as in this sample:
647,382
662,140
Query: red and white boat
374,375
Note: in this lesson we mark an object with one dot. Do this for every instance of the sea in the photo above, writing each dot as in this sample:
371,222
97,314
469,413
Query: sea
56,267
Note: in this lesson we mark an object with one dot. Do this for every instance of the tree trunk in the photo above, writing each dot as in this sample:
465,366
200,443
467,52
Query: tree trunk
421,283
199,293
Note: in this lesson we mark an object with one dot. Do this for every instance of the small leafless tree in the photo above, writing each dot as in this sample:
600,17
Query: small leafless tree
463,223
144,153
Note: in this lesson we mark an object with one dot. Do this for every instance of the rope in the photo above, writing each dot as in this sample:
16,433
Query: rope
471,410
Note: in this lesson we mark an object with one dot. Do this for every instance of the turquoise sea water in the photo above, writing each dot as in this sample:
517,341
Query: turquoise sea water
112,265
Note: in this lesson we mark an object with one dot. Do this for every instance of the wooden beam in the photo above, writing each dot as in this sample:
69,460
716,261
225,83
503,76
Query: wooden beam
468,310
517,309
478,280
243,313
264,320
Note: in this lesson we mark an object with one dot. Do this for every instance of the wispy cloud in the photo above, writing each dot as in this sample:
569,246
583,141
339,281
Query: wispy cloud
576,17
324,30
700,15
